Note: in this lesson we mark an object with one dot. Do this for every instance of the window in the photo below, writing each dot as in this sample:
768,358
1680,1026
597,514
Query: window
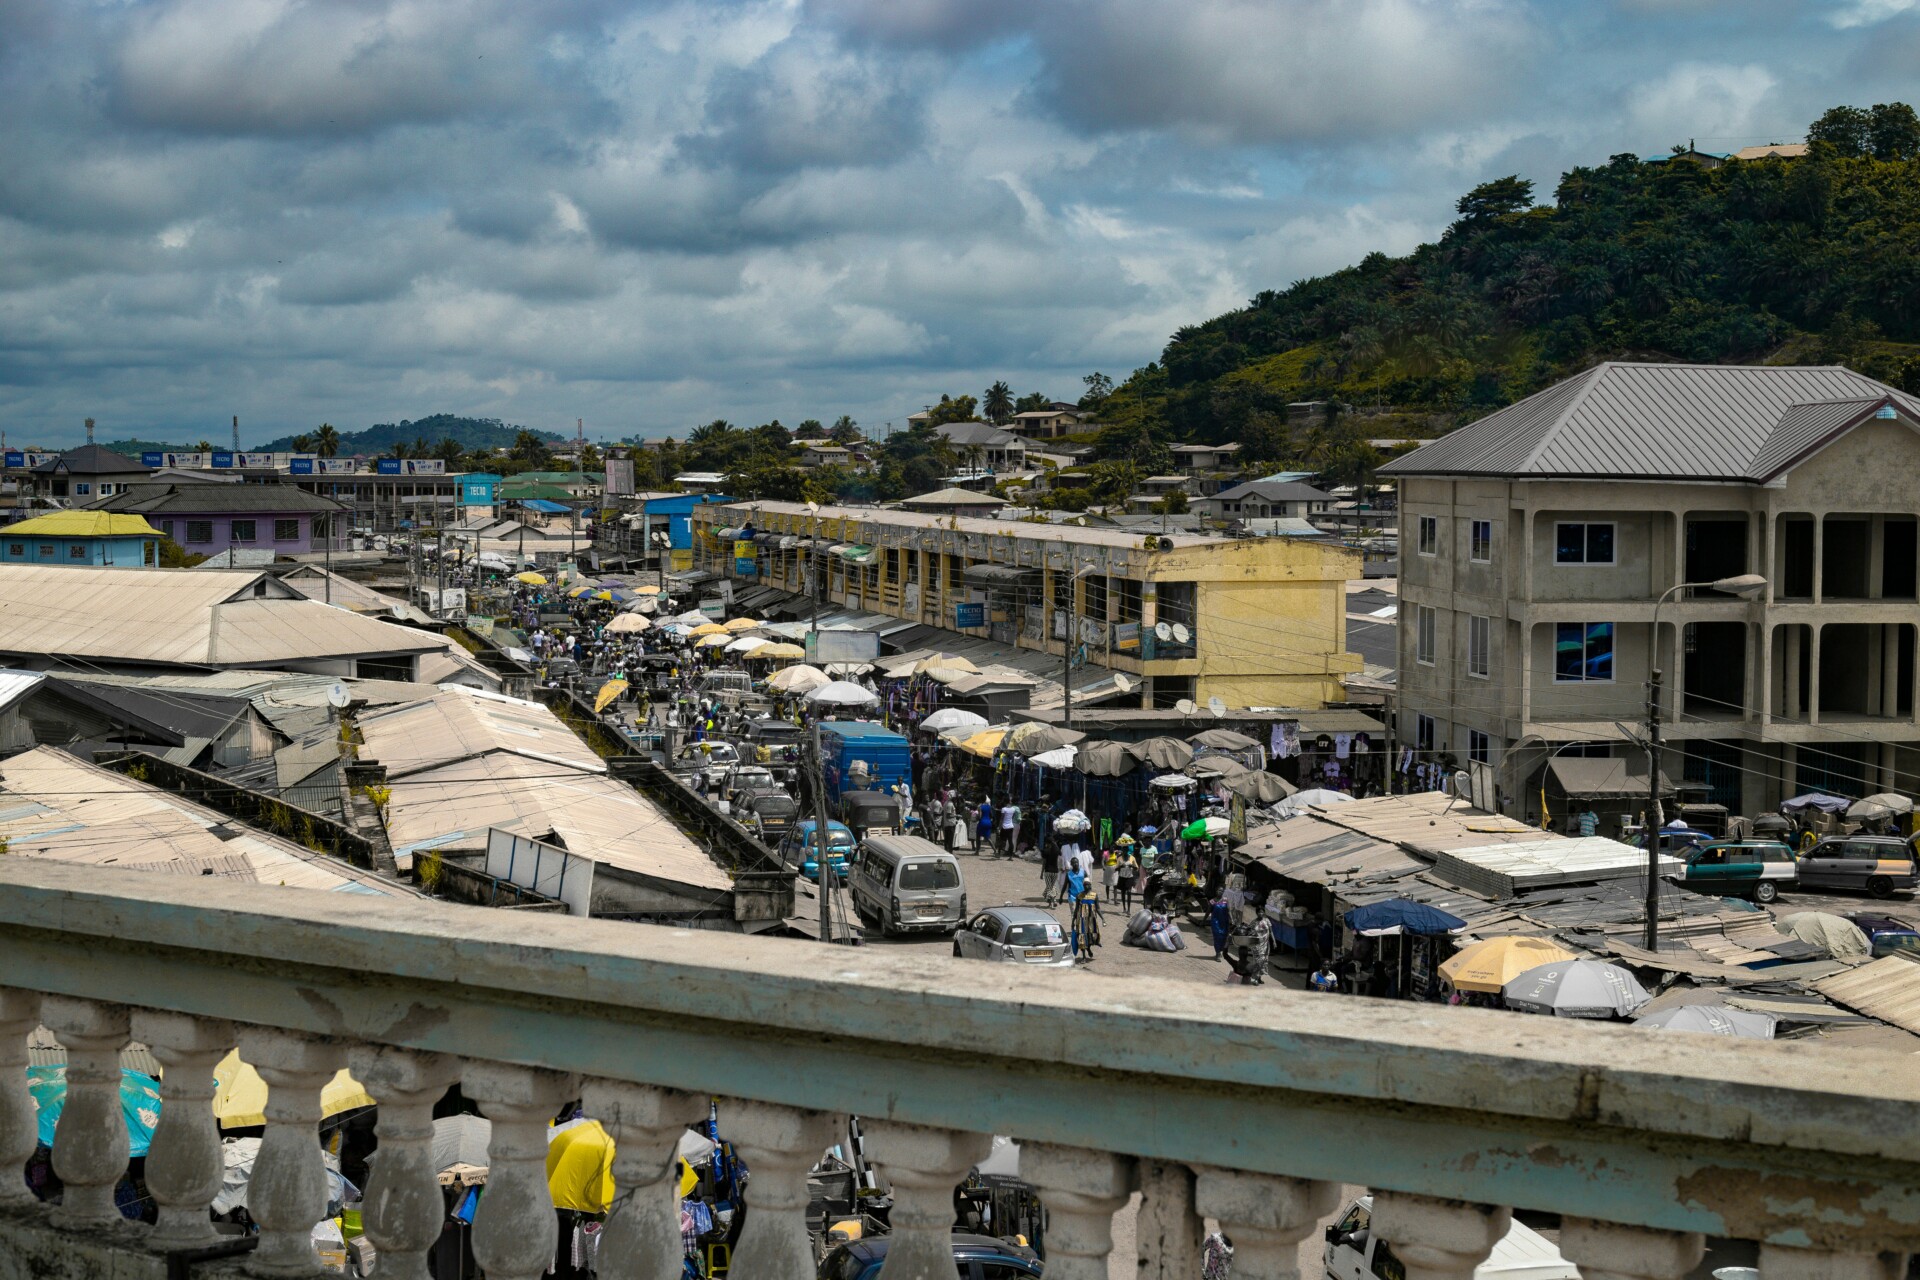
1479,643
286,531
165,527
106,490
16,548
199,531
1423,620
1479,747
77,551
46,551
82,488
1429,535
1423,732
1583,652
1482,541
243,530
1583,544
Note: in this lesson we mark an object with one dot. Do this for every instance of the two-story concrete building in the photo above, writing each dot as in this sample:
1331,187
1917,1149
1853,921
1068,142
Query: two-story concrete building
1255,622
1537,544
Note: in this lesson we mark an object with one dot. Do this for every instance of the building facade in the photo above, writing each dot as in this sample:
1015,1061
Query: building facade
1254,622
1537,544
82,538
206,519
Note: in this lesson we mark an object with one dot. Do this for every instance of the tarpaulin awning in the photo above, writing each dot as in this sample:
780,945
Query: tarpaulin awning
1105,759
859,553
1583,778
542,504
999,574
1402,915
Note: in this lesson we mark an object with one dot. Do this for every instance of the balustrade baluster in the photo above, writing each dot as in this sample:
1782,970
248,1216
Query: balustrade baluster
184,1168
515,1233
90,1145
1265,1215
1778,1262
923,1166
19,1115
1611,1251
1438,1239
641,1240
288,1191
1168,1232
403,1211
1082,1190
779,1145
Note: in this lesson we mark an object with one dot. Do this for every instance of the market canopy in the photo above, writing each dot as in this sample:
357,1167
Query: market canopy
1577,989
1873,808
782,651
1223,740
1816,800
1058,758
737,625
628,623
1257,786
530,578
709,629
1589,778
843,693
1490,965
1032,738
609,691
1710,1019
747,644
240,1095
1105,760
951,718
1162,753
139,1103
798,679
1402,915
983,743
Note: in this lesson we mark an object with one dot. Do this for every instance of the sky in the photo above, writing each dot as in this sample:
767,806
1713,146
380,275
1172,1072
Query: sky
649,215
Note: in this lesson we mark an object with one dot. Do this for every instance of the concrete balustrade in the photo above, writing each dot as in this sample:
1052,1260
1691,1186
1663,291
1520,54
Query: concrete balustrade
1246,1108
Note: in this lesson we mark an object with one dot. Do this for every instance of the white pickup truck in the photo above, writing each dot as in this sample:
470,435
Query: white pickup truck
1354,1254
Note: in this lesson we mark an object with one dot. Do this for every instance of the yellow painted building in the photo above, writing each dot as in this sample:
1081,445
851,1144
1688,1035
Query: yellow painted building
1252,621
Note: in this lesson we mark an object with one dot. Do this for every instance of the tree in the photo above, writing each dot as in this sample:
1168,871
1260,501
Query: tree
529,450
1032,402
205,446
809,429
1496,199
302,444
449,452
954,409
326,440
845,431
998,404
174,556
1174,504
1844,129
770,438
1893,132
589,457
771,481
1113,481
1099,387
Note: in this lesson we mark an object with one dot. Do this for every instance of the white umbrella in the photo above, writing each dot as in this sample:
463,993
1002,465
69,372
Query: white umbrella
843,693
627,623
1058,758
1576,989
1711,1019
1299,800
951,718
1172,781
797,679
747,644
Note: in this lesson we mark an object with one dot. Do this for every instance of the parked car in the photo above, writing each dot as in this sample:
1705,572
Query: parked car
1019,935
975,1257
746,777
1353,1252
708,763
801,848
767,812
713,683
1889,936
907,885
1757,869
1876,865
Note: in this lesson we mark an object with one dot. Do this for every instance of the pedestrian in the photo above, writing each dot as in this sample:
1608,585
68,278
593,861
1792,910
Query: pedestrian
1220,920
1323,980
949,818
982,823
1009,828
1049,872
1128,873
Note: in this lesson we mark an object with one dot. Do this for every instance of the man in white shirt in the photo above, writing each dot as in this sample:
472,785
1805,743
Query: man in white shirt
1009,829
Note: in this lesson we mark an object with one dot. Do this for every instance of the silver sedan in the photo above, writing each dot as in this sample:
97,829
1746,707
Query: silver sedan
1017,935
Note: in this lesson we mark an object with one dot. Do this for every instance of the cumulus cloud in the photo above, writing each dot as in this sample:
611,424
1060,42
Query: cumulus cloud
649,213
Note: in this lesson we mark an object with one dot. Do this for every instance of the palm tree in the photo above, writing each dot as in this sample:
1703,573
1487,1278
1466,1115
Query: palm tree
448,451
326,440
302,444
998,404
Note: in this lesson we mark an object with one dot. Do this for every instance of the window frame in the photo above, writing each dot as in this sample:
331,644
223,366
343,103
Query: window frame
1586,539
1426,732
1479,747
293,525
1586,655
76,551
1480,550
206,525
1427,535
251,535
1426,626
1480,647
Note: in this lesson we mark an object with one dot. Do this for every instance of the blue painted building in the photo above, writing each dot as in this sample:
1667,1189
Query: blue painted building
677,508
94,538
479,489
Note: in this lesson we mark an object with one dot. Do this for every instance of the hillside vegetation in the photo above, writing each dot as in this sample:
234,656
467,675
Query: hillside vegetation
1807,260
419,437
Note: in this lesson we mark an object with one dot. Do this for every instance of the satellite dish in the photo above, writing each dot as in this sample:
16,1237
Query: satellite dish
1166,544
1180,632
1162,630
1217,705
337,695
1186,706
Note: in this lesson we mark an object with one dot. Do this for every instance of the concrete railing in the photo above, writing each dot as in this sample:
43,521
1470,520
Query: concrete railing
1246,1107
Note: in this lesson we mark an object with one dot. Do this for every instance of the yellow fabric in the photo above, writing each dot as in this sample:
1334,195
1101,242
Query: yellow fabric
85,524
608,692
1488,966
737,625
580,1169
714,641
646,591
530,578
240,1095
984,743
780,651
709,629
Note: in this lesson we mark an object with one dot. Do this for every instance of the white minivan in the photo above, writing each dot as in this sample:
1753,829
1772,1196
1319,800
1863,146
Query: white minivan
1354,1254
907,885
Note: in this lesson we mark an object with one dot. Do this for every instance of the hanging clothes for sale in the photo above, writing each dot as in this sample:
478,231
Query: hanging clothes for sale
1342,744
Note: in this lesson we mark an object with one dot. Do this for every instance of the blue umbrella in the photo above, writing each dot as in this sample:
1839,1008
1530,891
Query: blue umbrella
139,1103
1402,915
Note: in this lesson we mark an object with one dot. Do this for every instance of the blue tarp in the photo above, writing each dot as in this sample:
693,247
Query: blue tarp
541,504
1402,915
1815,800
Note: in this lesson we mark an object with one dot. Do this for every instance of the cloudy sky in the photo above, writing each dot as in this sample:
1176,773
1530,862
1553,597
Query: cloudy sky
648,215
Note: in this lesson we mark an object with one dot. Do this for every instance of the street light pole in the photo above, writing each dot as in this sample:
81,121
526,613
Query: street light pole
1745,586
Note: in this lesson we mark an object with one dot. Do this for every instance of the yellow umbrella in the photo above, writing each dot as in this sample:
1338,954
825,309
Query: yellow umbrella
945,662
646,591
580,1168
628,623
780,651
714,641
240,1095
531,578
709,629
737,625
608,692
1488,966
984,743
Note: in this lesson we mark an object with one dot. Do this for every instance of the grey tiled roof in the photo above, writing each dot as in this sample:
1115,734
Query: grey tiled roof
1660,422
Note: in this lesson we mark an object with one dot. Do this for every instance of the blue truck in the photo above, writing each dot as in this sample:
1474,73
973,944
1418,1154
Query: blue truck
883,751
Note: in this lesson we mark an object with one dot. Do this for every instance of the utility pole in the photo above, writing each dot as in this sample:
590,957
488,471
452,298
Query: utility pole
1386,705
327,552
439,568
820,834
1652,825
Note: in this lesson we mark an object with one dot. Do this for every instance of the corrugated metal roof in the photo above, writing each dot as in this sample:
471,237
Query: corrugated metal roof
462,723
85,524
1652,421
1887,989
15,685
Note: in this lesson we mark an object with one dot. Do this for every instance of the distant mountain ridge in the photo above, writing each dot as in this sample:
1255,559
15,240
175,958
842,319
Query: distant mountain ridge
382,438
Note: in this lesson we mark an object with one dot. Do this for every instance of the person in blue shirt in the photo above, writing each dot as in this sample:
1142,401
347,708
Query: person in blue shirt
1220,920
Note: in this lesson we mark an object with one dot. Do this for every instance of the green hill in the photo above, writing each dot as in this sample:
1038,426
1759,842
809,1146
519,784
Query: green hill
1795,261
383,438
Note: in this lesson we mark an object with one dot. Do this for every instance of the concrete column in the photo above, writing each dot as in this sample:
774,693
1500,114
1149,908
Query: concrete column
288,1193
1438,1239
1890,669
779,1144
1819,556
1813,676
515,1232
1168,1231
90,1145
642,1238
1789,770
1876,554
1082,1190
1763,672
184,1164
1790,686
1265,1215
1777,1262
19,1114
403,1210
923,1165
1609,1251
